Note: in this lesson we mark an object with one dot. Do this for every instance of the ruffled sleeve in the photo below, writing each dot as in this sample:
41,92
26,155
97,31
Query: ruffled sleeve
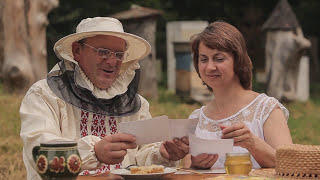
86,149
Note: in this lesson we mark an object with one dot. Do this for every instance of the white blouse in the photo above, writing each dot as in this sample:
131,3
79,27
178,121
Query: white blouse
253,115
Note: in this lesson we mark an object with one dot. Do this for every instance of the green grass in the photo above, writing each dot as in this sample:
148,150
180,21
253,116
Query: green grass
305,117
11,164
169,104
304,122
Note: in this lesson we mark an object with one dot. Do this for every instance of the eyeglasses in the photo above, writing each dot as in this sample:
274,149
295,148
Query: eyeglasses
106,53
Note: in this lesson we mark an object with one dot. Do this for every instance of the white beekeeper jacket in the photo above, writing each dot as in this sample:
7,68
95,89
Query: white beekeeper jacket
45,117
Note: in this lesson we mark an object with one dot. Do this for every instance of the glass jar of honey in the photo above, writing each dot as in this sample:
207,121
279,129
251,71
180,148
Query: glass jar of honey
238,163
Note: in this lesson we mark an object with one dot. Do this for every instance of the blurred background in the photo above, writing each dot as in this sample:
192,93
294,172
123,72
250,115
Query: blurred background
176,91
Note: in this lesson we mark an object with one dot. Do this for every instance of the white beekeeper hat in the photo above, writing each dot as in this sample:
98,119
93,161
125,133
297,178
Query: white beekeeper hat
137,47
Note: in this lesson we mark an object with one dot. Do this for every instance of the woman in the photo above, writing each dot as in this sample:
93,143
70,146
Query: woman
256,122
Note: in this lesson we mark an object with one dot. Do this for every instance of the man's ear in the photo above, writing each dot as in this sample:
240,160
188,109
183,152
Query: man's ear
76,50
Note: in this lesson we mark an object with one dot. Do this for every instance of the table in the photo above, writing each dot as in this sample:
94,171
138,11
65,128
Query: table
109,176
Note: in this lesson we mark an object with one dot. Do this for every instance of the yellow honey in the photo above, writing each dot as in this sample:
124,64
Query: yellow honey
238,163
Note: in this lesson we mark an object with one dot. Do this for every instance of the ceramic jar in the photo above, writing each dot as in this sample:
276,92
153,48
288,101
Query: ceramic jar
57,160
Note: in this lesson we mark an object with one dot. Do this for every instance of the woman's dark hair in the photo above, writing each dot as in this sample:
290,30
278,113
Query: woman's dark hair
225,37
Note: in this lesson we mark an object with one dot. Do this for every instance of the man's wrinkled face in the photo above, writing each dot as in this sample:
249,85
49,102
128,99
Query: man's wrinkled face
101,70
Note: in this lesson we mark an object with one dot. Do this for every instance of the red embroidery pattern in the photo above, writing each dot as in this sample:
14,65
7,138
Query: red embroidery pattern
84,172
114,130
103,169
83,123
113,125
98,127
118,166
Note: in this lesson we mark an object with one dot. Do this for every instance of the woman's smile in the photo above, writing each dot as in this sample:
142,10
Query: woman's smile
213,76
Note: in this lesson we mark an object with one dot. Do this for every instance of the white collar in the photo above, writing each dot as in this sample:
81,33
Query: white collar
119,86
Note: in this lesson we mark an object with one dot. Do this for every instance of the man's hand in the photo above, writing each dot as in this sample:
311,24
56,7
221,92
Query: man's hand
112,148
241,135
204,161
176,149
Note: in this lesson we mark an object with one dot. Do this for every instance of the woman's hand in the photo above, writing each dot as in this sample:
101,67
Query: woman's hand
241,135
176,149
204,161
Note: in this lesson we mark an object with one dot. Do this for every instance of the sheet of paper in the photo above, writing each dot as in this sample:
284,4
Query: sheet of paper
158,129
203,171
182,127
200,146
147,131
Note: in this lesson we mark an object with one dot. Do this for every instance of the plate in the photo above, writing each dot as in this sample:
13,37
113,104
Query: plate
127,174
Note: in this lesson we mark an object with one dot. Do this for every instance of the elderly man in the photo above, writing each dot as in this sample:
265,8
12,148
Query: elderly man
86,95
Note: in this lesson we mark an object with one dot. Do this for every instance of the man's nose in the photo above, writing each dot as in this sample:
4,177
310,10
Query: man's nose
112,60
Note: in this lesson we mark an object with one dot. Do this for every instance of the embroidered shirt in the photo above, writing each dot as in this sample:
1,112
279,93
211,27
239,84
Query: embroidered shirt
45,117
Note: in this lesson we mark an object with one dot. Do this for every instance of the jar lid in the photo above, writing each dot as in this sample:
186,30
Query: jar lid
238,154
55,143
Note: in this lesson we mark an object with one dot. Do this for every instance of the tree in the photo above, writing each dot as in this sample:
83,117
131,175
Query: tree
23,42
